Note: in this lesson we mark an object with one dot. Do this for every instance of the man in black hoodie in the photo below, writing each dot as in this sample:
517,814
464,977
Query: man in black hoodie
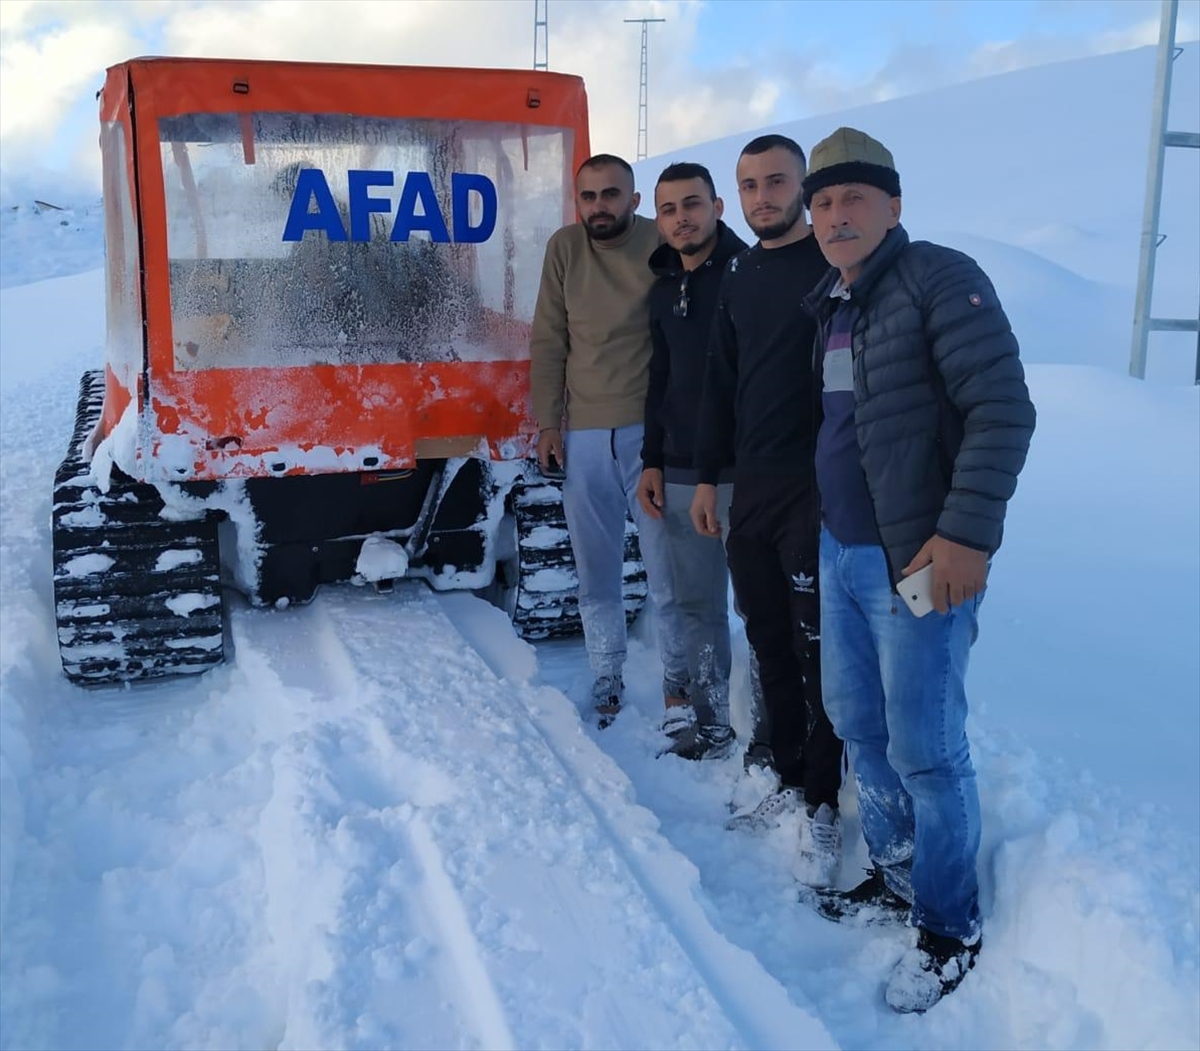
758,410
682,303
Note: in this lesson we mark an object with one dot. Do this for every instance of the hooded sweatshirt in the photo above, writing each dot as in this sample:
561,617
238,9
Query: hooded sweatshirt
680,346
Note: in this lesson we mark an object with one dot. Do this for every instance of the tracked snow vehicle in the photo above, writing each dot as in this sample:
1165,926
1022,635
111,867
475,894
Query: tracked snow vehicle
320,280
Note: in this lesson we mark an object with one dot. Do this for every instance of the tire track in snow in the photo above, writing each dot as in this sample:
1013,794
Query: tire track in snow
443,904
755,1001
446,906
758,1004
547,893
384,924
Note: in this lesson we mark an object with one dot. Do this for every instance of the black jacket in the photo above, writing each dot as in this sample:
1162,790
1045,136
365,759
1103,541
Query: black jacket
942,413
680,344
758,393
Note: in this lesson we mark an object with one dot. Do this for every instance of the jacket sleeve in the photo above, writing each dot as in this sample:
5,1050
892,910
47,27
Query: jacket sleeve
976,355
549,341
656,393
715,429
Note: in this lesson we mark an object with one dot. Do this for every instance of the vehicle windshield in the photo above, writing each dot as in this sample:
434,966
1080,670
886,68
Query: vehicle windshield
299,239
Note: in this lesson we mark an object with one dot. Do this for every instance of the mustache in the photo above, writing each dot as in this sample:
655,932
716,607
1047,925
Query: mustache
841,235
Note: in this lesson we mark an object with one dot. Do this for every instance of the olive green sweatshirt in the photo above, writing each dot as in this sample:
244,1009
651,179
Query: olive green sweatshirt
591,328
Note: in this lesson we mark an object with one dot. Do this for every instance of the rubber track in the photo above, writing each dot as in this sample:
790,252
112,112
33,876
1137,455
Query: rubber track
136,596
547,604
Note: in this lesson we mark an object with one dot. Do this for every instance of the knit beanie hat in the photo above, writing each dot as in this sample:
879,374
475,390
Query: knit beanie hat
849,155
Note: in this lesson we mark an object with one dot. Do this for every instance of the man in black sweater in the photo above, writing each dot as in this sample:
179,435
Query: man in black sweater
758,409
683,301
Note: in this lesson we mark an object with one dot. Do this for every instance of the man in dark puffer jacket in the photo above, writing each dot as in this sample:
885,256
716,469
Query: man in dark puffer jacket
925,424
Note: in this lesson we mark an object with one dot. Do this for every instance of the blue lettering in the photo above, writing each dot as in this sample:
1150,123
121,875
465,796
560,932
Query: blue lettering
418,189
462,184
362,204
417,209
312,187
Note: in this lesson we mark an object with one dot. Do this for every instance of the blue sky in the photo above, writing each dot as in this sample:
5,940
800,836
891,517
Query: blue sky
716,66
870,30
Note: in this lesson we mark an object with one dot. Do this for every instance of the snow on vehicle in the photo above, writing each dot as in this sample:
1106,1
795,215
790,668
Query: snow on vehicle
320,280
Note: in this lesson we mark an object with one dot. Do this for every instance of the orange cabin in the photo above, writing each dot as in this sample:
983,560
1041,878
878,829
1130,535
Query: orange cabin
318,268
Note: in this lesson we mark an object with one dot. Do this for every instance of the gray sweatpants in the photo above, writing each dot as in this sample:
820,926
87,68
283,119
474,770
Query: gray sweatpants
701,592
602,472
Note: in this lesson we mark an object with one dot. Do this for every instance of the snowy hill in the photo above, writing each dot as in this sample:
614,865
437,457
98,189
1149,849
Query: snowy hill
1041,176
39,240
385,824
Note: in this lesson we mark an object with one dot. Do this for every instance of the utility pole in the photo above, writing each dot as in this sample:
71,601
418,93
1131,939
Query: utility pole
1160,139
541,38
643,85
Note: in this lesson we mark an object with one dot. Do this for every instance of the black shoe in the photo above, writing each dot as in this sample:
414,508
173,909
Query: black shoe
934,968
872,902
702,742
608,691
758,757
677,720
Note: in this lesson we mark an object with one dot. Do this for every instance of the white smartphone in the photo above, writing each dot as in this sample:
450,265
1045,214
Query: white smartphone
917,591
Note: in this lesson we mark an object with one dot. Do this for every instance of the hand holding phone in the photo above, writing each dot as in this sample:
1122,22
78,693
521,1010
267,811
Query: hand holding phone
917,591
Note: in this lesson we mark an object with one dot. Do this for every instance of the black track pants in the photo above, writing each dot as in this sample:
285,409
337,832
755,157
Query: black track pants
773,552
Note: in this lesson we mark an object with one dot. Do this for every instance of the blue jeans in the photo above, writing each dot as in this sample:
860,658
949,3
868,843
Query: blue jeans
894,690
603,468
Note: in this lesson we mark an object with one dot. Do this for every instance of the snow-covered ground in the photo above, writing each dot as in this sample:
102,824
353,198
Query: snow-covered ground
384,822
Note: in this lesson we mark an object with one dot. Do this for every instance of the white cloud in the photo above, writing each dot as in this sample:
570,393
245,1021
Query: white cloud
40,78
53,54
812,84
452,32
587,39
728,101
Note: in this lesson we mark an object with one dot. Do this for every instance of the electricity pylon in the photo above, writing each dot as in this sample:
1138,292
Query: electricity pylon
643,86
1160,139
541,31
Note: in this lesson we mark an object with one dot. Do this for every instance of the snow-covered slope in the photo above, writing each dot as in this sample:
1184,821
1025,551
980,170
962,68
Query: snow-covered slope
384,823
39,240
1041,176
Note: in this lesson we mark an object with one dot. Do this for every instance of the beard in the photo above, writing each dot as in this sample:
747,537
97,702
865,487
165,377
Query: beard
770,231
693,247
617,226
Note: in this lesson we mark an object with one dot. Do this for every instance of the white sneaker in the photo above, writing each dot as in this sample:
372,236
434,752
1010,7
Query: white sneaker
769,813
753,785
820,854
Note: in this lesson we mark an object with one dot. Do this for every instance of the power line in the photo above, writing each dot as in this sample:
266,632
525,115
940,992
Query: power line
643,85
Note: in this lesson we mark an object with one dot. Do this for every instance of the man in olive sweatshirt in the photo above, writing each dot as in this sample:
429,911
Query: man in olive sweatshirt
589,372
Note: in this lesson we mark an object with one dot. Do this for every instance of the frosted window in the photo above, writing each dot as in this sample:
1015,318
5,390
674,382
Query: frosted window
243,296
123,313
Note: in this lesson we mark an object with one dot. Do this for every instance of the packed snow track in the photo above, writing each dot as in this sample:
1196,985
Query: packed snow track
407,797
